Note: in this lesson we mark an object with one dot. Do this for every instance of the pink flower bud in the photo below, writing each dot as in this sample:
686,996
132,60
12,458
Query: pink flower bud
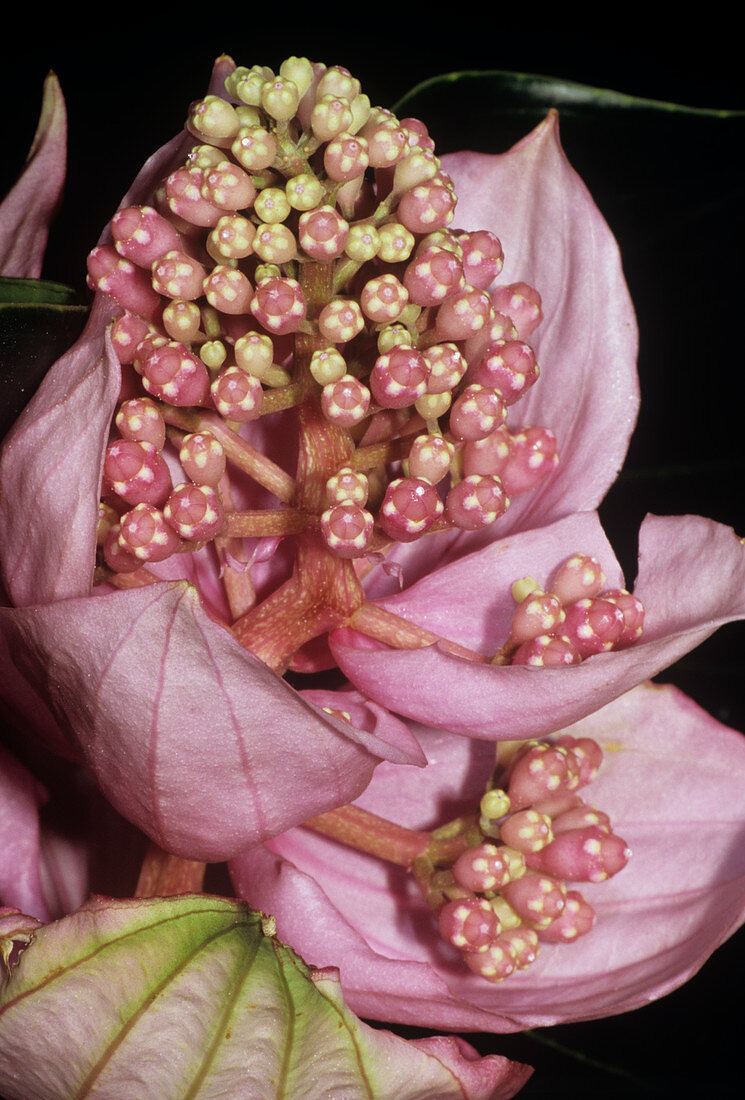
203,458
341,320
237,395
136,471
522,304
176,275
579,577
142,235
463,314
145,533
582,855
509,366
577,920
476,413
409,508
485,867
470,924
482,257
346,401
383,299
537,898
195,512
399,378
427,206
140,419
322,233
495,964
172,373
347,529
593,626
475,502
279,305
546,651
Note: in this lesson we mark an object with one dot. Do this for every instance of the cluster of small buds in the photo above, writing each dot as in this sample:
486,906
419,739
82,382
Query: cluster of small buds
513,887
573,620
305,252
163,519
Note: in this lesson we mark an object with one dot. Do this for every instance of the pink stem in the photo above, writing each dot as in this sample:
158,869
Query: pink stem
365,831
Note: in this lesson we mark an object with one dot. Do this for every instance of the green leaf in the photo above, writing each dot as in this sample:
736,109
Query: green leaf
35,290
193,996
472,110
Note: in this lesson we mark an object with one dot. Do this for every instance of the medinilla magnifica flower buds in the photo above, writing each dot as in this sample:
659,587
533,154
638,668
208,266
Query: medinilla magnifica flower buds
511,886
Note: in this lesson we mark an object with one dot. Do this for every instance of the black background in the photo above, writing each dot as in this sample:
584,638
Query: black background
128,76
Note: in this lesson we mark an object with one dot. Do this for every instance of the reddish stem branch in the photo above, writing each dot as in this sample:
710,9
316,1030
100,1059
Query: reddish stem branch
365,831
385,626
241,454
266,521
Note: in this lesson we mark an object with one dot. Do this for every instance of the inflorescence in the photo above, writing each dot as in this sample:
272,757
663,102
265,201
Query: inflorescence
511,886
317,366
301,259
300,264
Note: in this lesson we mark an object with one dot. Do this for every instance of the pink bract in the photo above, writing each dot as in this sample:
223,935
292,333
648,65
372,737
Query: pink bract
691,581
673,782
25,213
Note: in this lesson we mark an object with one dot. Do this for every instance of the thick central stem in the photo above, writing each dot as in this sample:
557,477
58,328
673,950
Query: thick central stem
323,591
322,594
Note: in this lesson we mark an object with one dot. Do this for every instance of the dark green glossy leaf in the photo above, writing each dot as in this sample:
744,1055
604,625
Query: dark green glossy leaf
529,88
35,290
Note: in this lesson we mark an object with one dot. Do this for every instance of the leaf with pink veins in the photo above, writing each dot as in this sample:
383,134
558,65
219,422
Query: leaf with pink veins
189,735
554,238
673,783
171,997
691,581
28,209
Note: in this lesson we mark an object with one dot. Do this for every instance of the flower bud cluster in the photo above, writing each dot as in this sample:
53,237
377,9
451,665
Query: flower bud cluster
573,620
163,519
305,253
513,888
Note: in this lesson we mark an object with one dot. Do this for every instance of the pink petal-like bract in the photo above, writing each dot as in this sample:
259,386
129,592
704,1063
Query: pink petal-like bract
25,213
215,752
20,798
554,237
691,581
